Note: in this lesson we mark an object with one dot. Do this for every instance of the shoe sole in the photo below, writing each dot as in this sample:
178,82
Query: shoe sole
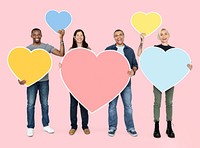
86,133
111,135
135,135
48,132
156,137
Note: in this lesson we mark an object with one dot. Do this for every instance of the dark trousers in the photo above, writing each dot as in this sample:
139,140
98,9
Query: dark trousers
73,113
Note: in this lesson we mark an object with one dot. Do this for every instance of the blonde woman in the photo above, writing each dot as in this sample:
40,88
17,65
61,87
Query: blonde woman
163,36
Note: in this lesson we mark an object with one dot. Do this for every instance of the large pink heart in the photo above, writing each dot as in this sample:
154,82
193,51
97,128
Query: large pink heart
94,80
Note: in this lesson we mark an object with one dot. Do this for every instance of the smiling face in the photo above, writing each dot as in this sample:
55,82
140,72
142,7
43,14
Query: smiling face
119,38
36,36
164,36
79,37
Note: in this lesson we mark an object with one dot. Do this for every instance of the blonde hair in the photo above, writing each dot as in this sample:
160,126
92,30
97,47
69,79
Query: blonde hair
161,31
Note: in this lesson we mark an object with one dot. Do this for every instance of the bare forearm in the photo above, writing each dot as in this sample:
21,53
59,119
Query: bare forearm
62,47
142,35
140,49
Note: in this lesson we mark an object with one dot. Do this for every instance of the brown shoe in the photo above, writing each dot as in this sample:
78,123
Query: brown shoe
72,131
86,131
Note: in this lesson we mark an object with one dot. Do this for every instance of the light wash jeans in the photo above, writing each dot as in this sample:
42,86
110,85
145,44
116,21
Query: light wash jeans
126,96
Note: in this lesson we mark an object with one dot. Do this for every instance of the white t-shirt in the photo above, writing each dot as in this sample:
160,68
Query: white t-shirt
120,49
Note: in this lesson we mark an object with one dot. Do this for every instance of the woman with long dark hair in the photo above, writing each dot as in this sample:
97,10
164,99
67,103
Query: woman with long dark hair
78,41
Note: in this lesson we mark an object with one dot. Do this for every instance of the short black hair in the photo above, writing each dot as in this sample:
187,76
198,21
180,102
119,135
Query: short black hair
35,29
119,30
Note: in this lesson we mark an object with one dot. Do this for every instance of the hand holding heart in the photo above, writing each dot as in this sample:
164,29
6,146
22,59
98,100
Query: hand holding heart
131,73
22,82
142,35
62,33
189,66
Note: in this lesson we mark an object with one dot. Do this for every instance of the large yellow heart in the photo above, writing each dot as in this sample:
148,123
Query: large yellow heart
29,65
146,22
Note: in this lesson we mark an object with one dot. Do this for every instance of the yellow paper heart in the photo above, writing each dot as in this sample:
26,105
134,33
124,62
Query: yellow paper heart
29,65
146,22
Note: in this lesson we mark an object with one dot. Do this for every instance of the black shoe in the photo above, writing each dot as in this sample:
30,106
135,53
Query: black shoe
169,130
156,133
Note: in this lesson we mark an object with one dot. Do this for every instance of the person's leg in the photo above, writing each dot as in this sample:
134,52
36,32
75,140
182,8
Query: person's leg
112,114
31,98
84,116
44,93
73,112
126,95
169,102
112,117
157,103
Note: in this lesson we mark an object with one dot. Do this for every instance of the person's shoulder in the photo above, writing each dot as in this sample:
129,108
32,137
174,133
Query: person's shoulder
110,47
171,46
29,46
159,45
128,49
45,44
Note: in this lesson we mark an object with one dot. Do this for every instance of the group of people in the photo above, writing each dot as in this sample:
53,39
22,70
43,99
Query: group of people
79,40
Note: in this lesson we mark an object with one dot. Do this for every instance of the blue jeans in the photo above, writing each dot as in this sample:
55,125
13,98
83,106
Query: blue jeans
73,113
32,90
126,96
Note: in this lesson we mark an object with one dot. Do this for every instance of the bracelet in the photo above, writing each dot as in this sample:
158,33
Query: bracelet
62,42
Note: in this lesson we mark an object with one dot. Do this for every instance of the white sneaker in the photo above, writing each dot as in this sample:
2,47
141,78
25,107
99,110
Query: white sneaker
30,132
48,129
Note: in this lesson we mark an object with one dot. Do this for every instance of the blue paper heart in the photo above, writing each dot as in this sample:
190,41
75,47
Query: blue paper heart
164,69
58,21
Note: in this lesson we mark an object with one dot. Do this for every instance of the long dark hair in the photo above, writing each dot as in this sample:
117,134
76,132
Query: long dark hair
74,44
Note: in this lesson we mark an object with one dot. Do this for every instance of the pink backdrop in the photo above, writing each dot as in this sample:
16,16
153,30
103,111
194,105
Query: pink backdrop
99,19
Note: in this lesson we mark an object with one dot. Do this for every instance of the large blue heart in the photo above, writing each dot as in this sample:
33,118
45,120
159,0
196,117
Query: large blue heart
164,69
58,21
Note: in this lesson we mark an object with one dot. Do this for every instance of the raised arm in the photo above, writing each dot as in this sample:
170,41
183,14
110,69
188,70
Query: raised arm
60,52
142,35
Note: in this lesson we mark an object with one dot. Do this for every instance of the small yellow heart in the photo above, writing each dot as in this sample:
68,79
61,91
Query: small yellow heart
146,22
29,65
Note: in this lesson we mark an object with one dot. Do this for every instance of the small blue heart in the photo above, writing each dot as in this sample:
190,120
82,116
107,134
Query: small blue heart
58,21
164,69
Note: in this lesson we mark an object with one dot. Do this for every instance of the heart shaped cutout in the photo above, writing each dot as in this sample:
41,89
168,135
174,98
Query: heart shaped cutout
146,22
58,20
29,65
164,69
94,80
